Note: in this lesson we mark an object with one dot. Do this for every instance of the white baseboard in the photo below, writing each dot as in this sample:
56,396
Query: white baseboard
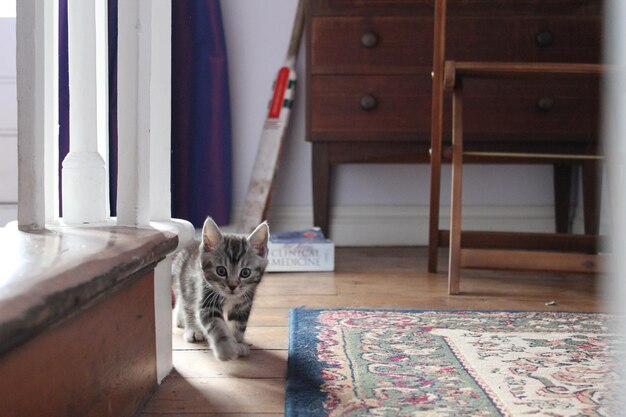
395,225
408,225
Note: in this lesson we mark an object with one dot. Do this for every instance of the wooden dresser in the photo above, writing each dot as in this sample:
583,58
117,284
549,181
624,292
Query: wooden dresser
369,81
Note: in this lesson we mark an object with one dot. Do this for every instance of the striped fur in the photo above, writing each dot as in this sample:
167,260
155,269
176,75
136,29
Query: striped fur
215,281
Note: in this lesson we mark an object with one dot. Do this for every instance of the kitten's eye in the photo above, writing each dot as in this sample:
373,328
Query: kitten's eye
221,271
245,273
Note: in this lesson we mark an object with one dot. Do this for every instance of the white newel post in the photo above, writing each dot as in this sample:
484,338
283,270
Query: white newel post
84,174
144,116
160,190
160,173
31,113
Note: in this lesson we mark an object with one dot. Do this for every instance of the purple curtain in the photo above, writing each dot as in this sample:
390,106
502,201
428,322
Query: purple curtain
112,39
64,95
201,130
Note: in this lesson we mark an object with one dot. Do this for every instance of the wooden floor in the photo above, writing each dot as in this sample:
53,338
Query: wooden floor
364,277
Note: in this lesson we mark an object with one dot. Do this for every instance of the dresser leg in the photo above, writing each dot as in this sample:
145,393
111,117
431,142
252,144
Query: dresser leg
435,194
591,196
321,186
563,175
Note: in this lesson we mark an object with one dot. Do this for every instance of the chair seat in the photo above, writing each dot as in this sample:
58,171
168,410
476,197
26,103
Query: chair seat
526,157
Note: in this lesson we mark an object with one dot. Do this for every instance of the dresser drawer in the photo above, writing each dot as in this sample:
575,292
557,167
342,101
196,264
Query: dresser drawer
369,107
398,108
396,45
523,38
375,3
370,44
373,7
496,8
456,7
531,110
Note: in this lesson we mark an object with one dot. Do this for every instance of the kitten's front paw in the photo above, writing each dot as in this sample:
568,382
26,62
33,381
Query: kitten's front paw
192,336
180,321
243,349
225,350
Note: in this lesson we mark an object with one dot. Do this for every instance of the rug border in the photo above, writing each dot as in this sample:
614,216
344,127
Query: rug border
306,399
451,310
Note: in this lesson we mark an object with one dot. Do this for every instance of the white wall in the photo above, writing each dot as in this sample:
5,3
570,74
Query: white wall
8,122
257,35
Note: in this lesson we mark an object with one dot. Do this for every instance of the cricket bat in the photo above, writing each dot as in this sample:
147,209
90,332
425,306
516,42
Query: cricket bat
259,192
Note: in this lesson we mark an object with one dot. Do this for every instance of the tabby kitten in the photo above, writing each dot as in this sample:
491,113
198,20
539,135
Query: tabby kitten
215,281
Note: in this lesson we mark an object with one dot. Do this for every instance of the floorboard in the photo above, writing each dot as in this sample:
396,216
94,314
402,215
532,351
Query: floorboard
364,278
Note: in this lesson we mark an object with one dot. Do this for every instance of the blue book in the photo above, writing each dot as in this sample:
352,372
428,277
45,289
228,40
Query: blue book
306,235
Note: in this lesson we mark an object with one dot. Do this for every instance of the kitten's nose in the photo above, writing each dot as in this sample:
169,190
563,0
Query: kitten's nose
232,286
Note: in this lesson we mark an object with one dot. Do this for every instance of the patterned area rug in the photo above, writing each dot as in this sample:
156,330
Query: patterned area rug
449,363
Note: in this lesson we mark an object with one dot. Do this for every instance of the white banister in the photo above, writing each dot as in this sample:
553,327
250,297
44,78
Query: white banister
31,81
133,89
84,173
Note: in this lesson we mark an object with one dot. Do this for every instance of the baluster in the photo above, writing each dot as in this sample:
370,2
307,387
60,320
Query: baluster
133,87
160,111
31,80
84,174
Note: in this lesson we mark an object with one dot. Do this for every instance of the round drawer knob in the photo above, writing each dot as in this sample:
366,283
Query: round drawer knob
545,104
544,38
369,39
368,102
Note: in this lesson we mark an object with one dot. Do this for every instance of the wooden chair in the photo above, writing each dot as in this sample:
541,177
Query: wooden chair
503,250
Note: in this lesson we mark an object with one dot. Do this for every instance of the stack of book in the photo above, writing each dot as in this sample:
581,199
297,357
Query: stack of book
301,250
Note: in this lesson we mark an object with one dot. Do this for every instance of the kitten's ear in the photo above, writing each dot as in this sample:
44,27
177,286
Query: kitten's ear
211,235
259,237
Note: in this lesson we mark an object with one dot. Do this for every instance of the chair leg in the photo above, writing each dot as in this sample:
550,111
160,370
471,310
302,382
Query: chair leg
321,186
435,193
456,192
436,132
